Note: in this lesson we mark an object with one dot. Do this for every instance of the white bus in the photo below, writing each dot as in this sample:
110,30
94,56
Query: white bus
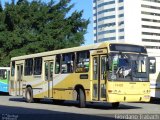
154,75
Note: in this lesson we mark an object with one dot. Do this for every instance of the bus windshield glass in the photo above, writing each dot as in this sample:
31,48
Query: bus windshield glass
128,67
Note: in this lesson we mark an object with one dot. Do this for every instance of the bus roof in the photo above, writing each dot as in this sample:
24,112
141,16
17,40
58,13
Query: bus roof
54,52
67,50
6,68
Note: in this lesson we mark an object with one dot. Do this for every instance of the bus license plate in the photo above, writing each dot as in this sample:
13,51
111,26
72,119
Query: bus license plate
146,96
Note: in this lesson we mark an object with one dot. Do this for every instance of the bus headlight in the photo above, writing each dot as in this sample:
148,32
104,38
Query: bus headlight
146,97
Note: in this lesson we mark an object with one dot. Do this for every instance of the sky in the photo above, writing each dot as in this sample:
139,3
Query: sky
86,6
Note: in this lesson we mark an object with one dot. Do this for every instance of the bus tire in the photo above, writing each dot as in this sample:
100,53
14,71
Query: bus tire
115,105
81,98
29,95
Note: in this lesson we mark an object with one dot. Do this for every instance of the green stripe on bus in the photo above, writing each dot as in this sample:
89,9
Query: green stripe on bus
4,81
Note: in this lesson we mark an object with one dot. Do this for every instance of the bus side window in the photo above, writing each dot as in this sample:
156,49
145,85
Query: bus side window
28,67
82,62
13,68
152,65
57,64
68,63
3,74
38,66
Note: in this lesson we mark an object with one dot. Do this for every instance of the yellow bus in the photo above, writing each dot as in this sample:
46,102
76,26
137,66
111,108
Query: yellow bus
102,72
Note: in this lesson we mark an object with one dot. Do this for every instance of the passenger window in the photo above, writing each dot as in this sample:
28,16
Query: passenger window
49,70
82,63
68,63
13,68
3,74
152,65
57,64
37,66
28,66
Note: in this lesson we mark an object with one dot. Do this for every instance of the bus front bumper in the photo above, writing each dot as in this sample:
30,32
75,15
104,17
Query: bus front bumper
128,98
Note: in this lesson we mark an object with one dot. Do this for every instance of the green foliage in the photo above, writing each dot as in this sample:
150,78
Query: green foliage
32,27
1,9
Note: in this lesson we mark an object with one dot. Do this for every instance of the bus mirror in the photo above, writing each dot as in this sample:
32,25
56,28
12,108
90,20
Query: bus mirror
152,65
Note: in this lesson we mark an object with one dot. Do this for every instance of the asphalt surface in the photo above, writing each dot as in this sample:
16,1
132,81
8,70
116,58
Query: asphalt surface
15,108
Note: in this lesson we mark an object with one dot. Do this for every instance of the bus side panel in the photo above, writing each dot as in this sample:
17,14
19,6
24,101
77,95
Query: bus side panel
3,86
4,79
36,83
155,80
64,85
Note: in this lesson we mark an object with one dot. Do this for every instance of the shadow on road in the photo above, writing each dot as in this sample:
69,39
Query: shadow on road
155,101
102,106
4,94
20,113
17,99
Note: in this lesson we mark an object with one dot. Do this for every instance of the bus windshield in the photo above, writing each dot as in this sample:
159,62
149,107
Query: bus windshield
128,67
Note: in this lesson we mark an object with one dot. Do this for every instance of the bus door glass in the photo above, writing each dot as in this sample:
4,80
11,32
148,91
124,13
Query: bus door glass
99,73
49,77
19,79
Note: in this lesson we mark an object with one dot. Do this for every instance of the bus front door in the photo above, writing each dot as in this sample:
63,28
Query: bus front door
49,78
99,73
19,80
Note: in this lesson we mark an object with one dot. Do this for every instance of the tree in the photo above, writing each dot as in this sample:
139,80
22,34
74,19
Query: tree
32,27
1,9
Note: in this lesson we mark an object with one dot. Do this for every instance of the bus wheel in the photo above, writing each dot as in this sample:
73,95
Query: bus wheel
29,95
115,105
81,98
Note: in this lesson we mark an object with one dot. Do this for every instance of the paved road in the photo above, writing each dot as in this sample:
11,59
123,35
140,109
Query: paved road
15,108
